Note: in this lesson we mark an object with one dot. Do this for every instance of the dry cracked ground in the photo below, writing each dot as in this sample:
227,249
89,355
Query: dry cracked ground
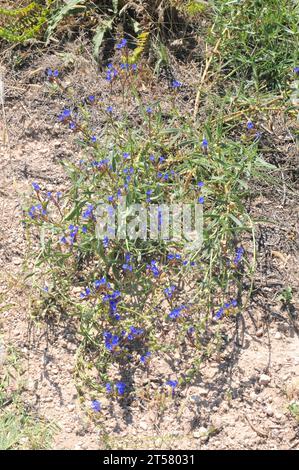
242,398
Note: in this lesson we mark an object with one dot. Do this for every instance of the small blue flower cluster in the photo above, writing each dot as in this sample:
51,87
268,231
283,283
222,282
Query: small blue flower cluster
176,84
115,342
176,312
154,268
239,255
37,211
73,232
176,258
113,299
88,213
219,314
123,43
52,74
127,266
111,73
169,291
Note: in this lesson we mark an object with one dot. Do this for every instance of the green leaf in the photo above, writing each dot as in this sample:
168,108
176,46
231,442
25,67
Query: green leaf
72,7
237,221
115,6
99,36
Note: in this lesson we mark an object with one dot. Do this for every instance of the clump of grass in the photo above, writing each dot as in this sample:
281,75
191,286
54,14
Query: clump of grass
20,427
259,40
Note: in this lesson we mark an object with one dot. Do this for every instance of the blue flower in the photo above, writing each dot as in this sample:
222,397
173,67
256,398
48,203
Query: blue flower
149,110
105,242
219,313
88,213
36,211
154,268
113,299
122,44
200,184
85,293
250,125
204,144
99,282
72,125
126,155
175,312
148,194
172,383
109,109
96,405
35,187
93,139
127,267
121,387
66,113
111,341
169,291
91,98
152,158
176,84
201,200
111,73
135,332
296,70
238,255
52,73
145,357
108,388
73,232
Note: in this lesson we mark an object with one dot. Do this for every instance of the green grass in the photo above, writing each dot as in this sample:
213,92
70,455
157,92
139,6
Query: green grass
20,426
259,41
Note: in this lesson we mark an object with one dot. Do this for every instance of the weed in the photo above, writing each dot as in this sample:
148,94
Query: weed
138,298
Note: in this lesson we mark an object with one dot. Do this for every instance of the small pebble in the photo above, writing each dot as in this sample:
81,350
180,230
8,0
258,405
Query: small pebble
202,432
264,379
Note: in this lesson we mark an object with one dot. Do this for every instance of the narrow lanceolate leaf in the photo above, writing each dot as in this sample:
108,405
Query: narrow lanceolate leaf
115,5
99,36
72,7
